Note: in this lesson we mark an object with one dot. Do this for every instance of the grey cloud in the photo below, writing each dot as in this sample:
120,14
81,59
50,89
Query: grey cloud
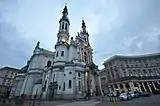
134,36
14,48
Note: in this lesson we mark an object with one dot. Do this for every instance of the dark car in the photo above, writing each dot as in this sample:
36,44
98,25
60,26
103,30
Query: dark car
136,94
144,94
156,92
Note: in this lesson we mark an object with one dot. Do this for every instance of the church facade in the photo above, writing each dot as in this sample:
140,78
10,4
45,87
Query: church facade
64,73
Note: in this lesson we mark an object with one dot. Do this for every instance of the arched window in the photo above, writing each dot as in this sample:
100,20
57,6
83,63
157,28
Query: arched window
85,39
79,85
49,63
62,53
66,26
79,74
70,84
57,54
85,57
62,25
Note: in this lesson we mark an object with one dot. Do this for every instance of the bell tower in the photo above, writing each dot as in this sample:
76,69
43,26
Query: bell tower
63,33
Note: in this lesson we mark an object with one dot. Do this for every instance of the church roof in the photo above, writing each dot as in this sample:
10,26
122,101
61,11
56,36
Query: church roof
24,69
9,68
44,51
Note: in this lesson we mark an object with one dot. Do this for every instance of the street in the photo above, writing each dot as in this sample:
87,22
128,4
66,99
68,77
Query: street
153,100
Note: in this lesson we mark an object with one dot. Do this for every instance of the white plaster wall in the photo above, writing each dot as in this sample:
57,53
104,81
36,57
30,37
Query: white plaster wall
93,87
59,63
40,61
59,57
59,77
24,85
81,79
67,78
46,79
28,84
72,53
19,87
37,89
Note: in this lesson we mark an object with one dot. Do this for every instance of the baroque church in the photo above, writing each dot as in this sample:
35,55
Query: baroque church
64,73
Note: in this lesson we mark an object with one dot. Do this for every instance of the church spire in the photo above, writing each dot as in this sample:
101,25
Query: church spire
65,11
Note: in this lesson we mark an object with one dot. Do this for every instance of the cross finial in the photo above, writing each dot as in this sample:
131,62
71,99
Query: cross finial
65,4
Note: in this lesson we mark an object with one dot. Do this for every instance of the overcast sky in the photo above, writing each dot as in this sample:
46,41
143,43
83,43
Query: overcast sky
125,27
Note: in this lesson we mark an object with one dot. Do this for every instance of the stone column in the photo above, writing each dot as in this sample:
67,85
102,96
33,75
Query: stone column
131,86
119,87
124,88
113,87
84,76
139,86
144,87
149,87
154,85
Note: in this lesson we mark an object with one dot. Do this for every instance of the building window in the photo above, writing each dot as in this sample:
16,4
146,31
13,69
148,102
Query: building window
79,74
79,85
62,53
62,25
85,39
85,56
127,66
70,72
49,63
64,86
66,27
70,84
59,87
57,54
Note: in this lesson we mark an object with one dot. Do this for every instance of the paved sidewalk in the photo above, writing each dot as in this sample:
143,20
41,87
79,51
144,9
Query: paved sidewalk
82,103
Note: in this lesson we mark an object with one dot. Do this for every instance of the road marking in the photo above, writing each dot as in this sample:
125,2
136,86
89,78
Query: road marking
82,103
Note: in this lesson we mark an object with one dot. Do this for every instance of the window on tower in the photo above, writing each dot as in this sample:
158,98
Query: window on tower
62,53
64,86
79,74
70,84
85,39
85,56
62,25
66,26
57,54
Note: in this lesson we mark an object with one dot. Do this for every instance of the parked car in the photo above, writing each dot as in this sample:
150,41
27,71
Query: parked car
144,94
136,94
132,94
156,92
125,96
